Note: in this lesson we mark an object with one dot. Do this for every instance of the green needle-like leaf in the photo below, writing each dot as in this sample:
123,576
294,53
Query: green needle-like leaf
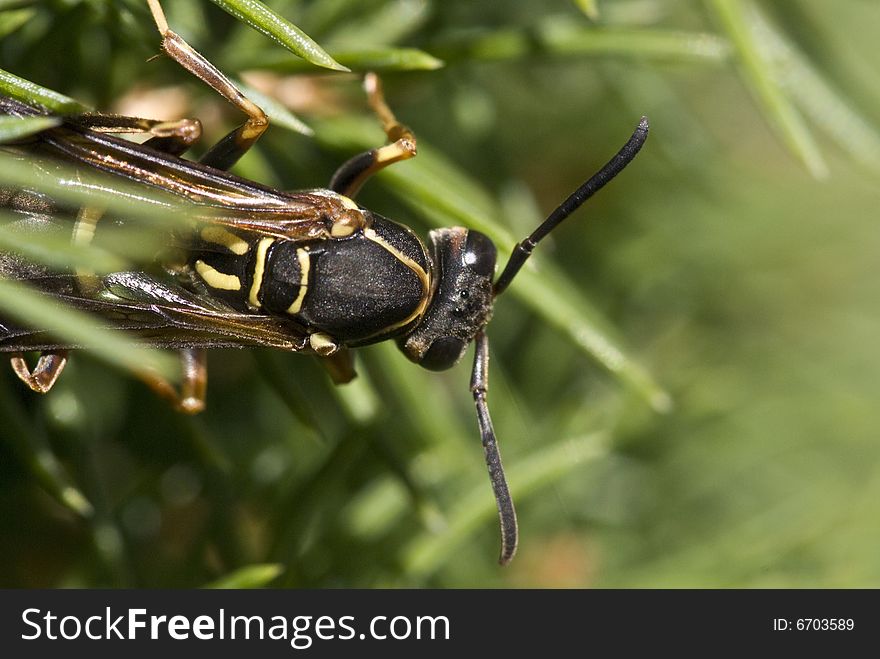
816,97
736,18
12,19
362,59
13,128
561,37
589,7
261,18
251,576
28,92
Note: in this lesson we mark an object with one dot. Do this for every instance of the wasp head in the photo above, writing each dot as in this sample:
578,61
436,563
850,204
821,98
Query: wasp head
464,262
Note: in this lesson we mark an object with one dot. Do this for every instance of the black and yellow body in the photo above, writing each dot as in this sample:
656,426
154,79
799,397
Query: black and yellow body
311,264
306,271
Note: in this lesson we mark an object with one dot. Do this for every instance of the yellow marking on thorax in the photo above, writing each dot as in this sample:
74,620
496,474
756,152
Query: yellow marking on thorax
259,270
420,272
302,255
220,236
216,279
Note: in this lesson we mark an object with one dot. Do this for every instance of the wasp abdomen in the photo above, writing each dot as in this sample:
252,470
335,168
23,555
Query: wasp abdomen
225,263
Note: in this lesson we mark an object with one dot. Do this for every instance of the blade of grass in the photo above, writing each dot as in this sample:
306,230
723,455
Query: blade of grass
251,576
559,36
359,400
558,300
28,92
261,18
12,19
563,37
735,18
367,59
389,59
13,128
589,7
815,96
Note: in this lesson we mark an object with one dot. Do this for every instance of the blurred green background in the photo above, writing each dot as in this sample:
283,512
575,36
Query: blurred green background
684,387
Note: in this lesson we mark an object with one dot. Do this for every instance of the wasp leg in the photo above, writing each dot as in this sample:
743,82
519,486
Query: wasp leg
43,376
227,151
353,173
191,397
339,366
171,137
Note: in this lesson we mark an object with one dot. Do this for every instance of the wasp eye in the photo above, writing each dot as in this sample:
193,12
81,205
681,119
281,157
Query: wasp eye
443,353
480,254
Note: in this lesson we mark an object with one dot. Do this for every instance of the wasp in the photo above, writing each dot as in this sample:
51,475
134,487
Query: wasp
308,271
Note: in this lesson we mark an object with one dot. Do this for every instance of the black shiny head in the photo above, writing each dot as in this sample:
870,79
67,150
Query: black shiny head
462,304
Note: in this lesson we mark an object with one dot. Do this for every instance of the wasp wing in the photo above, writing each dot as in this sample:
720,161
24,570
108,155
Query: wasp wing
217,196
152,310
156,314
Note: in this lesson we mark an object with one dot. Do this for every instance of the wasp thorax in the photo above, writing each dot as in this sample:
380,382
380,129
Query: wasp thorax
462,303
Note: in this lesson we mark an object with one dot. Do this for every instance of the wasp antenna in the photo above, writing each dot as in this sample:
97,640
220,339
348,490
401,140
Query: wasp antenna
506,512
595,183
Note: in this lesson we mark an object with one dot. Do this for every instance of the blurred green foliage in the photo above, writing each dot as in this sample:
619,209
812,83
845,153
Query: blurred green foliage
730,270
